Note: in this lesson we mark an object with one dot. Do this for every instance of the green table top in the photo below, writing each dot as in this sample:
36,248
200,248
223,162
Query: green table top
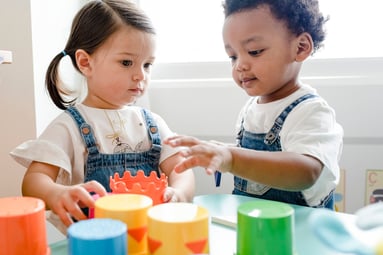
59,248
223,209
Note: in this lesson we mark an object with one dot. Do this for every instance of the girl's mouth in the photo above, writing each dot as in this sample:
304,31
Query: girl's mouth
137,91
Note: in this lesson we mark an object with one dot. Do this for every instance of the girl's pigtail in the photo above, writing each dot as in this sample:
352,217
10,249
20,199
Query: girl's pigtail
52,80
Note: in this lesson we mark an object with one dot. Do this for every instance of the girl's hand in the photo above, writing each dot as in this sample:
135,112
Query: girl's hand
66,201
210,155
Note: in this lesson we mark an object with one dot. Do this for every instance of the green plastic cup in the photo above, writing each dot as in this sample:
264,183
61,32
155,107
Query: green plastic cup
265,228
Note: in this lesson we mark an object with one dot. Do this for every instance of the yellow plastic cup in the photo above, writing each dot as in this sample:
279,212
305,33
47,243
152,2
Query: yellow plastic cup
178,229
22,226
132,210
379,248
265,227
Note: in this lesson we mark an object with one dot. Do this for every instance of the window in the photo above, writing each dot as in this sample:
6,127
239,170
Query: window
190,31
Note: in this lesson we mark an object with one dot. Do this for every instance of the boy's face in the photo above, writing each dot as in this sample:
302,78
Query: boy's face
263,54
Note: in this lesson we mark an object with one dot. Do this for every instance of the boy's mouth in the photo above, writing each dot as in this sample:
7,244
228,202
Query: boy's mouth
245,81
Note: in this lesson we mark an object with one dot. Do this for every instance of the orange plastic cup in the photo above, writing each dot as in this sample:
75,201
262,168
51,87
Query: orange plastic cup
151,186
22,226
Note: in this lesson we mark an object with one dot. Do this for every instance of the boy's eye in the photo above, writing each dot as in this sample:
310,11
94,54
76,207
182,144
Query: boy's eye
233,58
255,52
127,62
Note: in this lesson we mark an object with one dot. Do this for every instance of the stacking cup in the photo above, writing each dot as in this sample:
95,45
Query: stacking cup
132,210
178,229
97,236
151,186
22,226
265,227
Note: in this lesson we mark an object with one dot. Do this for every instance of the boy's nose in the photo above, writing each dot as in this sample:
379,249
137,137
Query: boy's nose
242,65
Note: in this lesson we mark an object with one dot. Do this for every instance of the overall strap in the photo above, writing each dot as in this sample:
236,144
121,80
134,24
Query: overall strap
273,134
84,128
152,127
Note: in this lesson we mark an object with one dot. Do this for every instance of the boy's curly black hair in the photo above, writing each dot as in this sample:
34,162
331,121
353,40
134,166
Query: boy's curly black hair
299,15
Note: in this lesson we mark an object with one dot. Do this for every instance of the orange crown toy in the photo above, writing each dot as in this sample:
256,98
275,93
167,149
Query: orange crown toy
151,185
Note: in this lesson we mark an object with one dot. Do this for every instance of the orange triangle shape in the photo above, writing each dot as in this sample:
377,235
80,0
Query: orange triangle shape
137,233
197,246
153,245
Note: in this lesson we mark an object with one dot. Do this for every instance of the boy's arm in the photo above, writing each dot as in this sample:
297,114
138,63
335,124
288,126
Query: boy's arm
283,170
182,184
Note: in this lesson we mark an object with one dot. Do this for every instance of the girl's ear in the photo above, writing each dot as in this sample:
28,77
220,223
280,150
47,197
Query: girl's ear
82,60
305,47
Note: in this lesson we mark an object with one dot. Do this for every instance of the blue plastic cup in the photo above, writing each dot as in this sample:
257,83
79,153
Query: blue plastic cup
97,236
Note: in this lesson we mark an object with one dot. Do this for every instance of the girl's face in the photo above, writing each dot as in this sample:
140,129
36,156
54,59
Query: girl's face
118,72
263,53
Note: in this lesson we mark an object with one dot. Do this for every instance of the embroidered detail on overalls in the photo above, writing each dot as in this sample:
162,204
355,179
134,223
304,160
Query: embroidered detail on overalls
100,166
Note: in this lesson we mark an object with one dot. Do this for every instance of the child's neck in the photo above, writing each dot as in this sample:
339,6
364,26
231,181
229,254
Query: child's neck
279,94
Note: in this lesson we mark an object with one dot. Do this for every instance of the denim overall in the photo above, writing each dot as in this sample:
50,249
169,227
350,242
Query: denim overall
271,142
101,166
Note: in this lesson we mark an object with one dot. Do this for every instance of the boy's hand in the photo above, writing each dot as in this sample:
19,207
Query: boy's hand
210,155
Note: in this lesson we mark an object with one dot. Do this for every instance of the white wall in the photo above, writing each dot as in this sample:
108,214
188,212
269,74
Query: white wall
34,31
16,86
51,23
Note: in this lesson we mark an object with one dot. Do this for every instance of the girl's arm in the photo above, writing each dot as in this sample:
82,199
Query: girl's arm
65,201
181,185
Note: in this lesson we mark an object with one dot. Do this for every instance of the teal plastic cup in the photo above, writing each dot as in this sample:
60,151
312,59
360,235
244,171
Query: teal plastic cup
265,228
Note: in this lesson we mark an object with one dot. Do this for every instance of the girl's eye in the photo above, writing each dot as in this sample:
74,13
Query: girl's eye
255,52
127,62
148,65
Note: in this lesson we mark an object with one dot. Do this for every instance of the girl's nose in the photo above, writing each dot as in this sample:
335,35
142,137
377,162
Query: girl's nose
139,74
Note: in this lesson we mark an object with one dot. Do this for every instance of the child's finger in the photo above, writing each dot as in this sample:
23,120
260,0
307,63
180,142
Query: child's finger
169,195
94,186
64,217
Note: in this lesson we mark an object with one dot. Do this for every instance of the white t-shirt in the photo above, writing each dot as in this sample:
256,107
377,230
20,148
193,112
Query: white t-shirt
61,143
310,128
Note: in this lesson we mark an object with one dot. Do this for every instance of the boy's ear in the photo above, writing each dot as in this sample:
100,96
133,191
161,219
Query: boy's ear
305,47
82,60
